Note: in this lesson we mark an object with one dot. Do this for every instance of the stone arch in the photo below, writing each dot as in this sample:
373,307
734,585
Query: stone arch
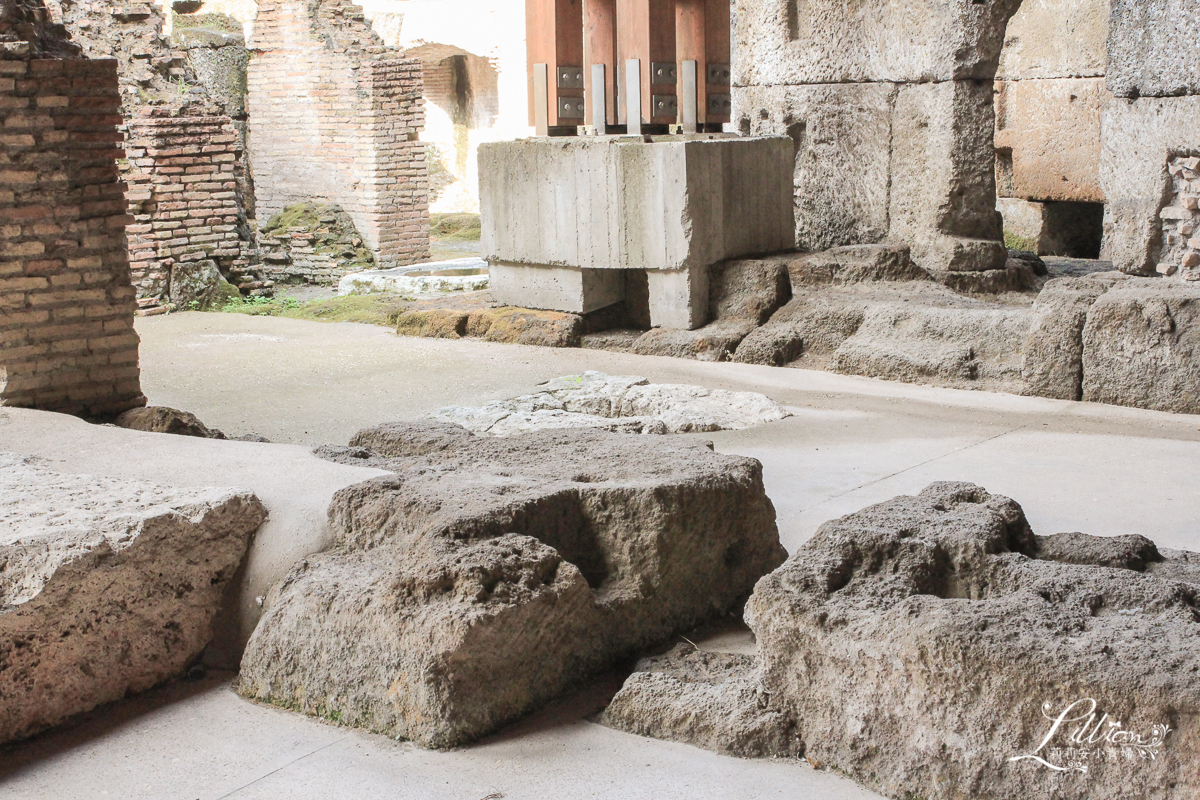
462,97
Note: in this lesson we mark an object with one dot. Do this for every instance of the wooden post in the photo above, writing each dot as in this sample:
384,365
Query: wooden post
600,47
716,77
554,37
646,31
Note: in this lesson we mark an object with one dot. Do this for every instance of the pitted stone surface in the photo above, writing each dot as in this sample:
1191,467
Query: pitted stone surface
915,643
488,575
710,700
621,403
107,586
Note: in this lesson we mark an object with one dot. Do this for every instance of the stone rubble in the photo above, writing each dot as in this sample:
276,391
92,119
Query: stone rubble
925,646
622,404
487,576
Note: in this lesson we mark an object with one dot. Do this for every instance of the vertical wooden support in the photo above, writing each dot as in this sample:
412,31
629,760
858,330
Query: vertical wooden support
646,31
715,76
554,37
702,34
600,48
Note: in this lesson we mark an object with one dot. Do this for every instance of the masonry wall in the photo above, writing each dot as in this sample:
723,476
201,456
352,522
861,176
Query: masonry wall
66,302
1150,134
187,214
336,117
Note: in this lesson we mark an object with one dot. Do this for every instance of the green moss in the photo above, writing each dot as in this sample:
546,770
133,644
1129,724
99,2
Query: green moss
1014,242
454,227
374,309
212,22
370,309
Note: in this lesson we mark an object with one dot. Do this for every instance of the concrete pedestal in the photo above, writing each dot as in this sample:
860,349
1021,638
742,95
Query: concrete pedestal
556,288
561,214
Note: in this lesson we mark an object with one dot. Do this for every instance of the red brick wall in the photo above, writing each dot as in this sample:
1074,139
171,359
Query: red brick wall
66,302
183,193
335,117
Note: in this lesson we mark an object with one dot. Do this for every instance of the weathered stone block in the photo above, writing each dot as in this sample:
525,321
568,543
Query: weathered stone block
928,344
1052,355
827,41
943,177
107,586
1141,346
1138,139
1051,129
488,575
709,700
1152,48
841,141
925,647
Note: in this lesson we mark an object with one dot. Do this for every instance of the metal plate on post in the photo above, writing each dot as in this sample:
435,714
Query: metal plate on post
664,105
720,105
689,98
633,97
663,74
570,77
570,108
718,74
599,100
541,100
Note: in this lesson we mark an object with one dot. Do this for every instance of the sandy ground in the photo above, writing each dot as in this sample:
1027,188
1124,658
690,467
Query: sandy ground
852,442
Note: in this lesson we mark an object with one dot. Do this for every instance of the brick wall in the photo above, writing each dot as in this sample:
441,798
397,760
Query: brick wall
1181,219
189,224
336,117
66,303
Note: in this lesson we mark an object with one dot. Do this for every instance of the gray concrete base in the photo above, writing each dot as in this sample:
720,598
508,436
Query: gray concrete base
556,288
678,297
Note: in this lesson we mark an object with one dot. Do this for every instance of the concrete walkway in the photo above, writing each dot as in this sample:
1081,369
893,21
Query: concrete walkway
852,442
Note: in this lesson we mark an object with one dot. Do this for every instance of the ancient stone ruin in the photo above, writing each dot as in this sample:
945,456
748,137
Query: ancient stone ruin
997,195
926,645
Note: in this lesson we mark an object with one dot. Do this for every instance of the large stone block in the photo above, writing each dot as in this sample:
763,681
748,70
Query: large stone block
1050,129
968,347
107,586
1152,48
1138,138
925,647
841,137
1052,355
1060,39
673,203
1141,346
942,200
488,575
781,42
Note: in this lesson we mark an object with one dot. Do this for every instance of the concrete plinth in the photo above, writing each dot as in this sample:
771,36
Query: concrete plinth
557,288
676,204
678,298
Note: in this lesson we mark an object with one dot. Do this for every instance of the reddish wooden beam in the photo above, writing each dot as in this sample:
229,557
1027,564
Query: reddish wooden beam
554,36
716,51
600,47
646,31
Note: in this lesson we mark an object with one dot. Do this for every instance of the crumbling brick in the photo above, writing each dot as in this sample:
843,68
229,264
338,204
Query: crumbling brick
335,117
